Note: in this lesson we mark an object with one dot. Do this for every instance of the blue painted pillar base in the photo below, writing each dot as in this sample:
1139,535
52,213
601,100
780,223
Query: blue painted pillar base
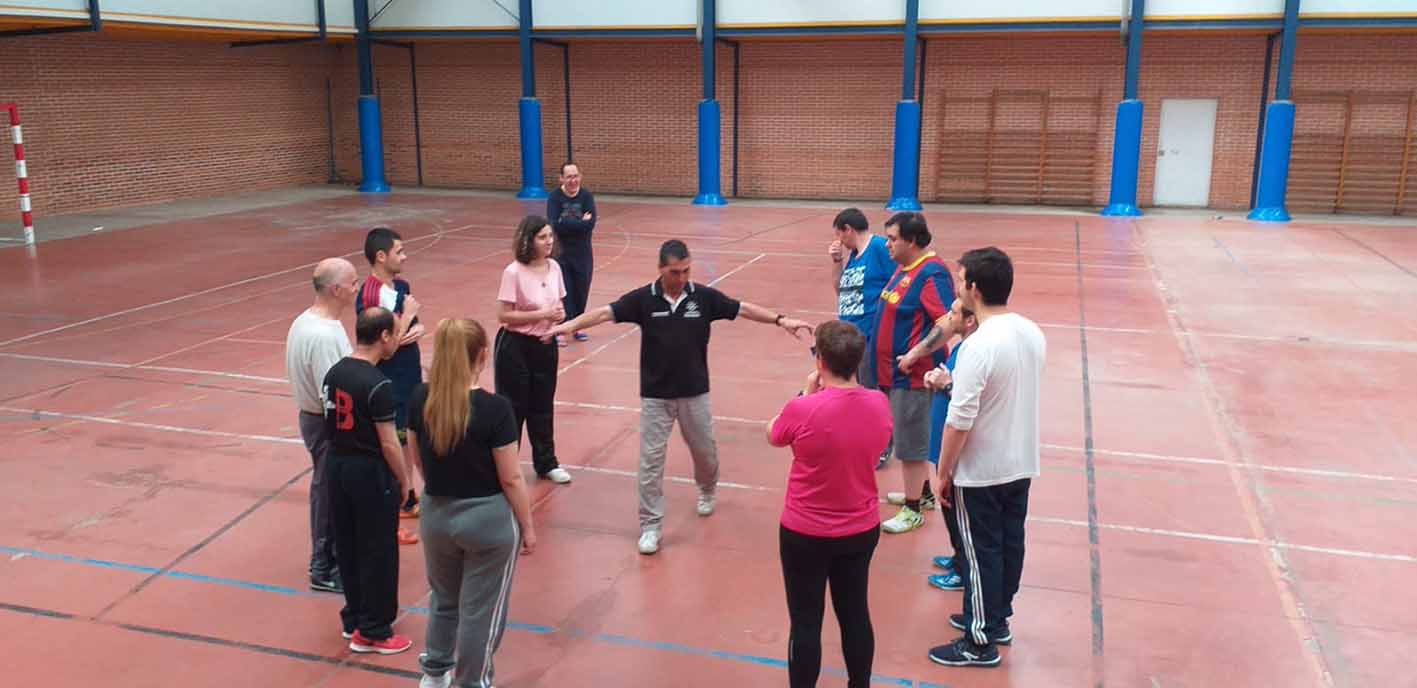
1274,163
1126,155
905,175
709,148
533,174
371,146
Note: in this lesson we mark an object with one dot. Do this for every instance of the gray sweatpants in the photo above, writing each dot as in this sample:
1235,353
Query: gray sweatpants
470,547
657,418
322,524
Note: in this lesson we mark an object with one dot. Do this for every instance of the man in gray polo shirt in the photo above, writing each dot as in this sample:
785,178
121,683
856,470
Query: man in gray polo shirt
316,342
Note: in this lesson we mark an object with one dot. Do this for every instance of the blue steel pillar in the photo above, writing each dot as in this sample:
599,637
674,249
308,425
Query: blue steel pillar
371,134
529,114
1126,142
905,174
709,118
1278,130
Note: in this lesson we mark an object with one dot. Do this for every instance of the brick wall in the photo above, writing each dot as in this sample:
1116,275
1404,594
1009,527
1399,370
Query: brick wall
121,122
818,118
112,123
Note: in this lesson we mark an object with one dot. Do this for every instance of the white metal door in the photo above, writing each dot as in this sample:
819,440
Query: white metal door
1184,158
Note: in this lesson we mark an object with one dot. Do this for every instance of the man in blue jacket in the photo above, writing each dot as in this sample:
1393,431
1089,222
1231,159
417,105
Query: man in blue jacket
571,210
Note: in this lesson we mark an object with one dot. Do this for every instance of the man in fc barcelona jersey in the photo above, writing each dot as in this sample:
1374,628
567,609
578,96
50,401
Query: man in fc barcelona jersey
383,247
919,293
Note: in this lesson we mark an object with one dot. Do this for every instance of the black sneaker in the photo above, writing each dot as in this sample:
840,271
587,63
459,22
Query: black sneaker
330,583
962,652
1002,637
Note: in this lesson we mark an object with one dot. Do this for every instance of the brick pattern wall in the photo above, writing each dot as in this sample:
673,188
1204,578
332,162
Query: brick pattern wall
818,118
112,123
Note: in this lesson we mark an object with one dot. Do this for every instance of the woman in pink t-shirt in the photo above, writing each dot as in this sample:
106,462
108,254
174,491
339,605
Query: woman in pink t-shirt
831,518
528,306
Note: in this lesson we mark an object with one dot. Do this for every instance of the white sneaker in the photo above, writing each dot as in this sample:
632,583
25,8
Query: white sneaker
706,500
436,681
649,542
904,521
558,475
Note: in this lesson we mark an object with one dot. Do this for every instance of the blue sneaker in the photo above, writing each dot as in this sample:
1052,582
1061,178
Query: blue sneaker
948,581
946,563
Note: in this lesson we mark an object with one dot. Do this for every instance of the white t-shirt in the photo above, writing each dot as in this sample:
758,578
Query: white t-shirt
313,346
995,398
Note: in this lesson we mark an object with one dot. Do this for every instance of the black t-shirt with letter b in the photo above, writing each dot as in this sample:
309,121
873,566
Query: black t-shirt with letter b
357,396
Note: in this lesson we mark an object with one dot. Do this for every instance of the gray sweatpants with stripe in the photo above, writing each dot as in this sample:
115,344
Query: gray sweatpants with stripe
657,418
470,546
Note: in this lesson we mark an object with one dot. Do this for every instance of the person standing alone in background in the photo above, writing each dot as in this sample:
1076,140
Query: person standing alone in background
571,210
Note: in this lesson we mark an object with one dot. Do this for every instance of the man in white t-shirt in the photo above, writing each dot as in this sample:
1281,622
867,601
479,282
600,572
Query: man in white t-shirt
989,455
316,341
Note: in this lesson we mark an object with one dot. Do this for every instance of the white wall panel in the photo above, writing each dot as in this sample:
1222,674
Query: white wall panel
1209,9
582,14
339,15
1358,7
445,14
952,11
289,14
44,8
799,12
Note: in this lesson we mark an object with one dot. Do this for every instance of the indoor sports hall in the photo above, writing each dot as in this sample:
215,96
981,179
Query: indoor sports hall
1210,208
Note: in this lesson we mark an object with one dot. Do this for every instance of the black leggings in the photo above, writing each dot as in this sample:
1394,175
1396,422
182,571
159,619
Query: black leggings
808,564
526,376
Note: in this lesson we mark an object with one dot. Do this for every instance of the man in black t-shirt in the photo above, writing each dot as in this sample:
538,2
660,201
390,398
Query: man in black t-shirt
366,479
674,315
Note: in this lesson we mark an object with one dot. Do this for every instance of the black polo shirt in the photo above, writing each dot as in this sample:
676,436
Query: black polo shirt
674,340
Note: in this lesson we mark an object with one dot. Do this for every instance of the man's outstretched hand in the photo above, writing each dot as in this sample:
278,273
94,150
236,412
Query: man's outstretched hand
795,327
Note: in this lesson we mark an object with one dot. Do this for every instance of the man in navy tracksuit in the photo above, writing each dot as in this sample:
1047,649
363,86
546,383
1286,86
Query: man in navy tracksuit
571,210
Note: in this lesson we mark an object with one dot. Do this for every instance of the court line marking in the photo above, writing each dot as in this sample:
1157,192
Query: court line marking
1113,453
345,660
1094,544
1248,487
37,414
184,297
757,488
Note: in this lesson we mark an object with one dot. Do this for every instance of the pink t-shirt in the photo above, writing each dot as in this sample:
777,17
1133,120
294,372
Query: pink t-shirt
527,290
837,435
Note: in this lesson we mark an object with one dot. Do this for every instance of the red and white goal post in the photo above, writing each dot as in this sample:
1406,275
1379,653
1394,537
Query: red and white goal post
21,174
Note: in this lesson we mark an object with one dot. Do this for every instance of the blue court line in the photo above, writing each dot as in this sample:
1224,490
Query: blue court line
537,629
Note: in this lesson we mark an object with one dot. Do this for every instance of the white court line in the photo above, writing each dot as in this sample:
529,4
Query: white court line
203,292
1142,456
742,486
1230,539
684,480
1378,344
135,366
631,409
634,330
150,426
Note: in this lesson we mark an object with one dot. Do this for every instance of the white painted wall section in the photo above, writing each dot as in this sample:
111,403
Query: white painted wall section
445,14
745,13
561,14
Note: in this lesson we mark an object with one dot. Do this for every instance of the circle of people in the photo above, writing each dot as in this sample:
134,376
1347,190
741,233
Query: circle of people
924,365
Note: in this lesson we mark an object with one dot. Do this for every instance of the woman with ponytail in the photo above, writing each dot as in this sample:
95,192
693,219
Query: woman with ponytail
476,513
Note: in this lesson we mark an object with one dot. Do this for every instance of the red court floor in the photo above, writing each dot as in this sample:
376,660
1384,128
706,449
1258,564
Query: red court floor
1227,494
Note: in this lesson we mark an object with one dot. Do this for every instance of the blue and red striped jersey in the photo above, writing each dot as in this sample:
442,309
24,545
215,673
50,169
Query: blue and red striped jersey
915,297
